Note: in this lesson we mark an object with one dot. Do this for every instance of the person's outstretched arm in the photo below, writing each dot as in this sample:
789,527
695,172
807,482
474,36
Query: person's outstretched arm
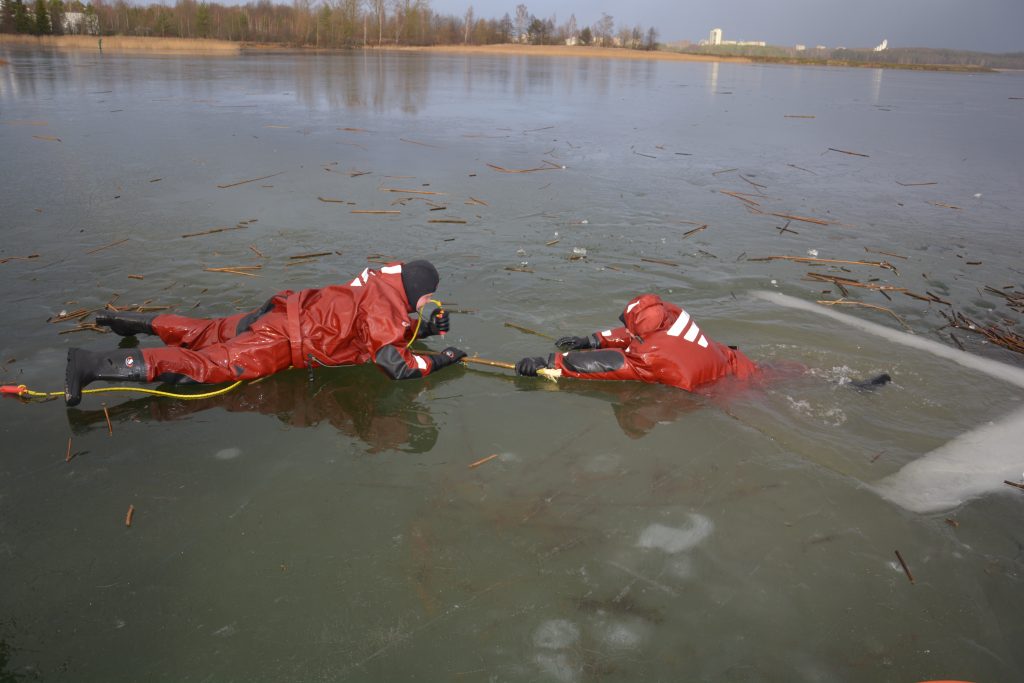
401,363
614,338
609,364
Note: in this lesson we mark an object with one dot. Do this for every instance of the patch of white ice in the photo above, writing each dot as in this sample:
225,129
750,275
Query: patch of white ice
675,540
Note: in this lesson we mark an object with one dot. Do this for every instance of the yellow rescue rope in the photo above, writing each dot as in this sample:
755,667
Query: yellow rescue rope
22,390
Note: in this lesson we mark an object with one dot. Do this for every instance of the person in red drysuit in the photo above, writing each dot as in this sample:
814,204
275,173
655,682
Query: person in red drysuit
659,344
366,319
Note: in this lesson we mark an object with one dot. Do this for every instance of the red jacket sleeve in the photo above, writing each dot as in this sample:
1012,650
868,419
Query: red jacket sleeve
388,339
615,338
401,363
600,364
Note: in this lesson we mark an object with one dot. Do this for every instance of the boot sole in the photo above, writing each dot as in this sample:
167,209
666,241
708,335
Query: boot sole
71,381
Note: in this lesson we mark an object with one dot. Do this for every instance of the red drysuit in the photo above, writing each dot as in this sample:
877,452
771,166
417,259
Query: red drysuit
660,344
366,319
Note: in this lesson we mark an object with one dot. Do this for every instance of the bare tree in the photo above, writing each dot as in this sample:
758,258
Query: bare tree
522,22
570,27
604,29
469,24
379,8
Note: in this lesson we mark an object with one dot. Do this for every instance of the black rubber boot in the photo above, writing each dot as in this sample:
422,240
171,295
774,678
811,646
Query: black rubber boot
873,383
126,365
127,324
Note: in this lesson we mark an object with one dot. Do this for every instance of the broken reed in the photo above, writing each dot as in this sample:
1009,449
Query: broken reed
995,334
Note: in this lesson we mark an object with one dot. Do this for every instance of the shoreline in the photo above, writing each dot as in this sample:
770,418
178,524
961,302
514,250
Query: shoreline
125,44
579,51
151,45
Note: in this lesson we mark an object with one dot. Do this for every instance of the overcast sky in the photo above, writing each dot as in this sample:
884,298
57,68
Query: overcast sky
985,25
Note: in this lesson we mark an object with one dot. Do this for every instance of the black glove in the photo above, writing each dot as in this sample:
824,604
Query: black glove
439,322
528,367
575,343
447,357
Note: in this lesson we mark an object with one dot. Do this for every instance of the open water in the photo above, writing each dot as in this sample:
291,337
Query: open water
332,530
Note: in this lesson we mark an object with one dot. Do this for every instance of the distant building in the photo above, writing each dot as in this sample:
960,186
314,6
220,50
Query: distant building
801,48
882,46
715,38
821,47
572,41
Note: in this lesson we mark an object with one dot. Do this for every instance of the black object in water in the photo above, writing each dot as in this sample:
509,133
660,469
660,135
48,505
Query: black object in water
873,383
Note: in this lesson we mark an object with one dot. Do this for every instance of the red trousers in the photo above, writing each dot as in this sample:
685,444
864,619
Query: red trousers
211,351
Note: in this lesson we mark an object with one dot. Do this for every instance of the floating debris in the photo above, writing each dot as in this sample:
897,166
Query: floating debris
791,217
845,302
1000,336
884,253
421,144
213,231
690,233
481,461
843,282
391,189
663,262
906,569
18,258
250,180
757,185
549,166
107,246
235,270
743,197
843,151
527,330
1014,300
814,259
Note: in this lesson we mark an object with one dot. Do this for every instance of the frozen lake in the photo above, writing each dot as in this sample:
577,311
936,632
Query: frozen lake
298,531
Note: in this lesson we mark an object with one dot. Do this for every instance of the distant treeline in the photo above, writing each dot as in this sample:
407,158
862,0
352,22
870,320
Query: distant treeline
327,24
900,56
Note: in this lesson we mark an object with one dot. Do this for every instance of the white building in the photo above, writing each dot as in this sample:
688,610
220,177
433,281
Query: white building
80,23
882,46
716,37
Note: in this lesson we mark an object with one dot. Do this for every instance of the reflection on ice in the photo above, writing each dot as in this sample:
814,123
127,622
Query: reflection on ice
556,634
675,540
228,453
